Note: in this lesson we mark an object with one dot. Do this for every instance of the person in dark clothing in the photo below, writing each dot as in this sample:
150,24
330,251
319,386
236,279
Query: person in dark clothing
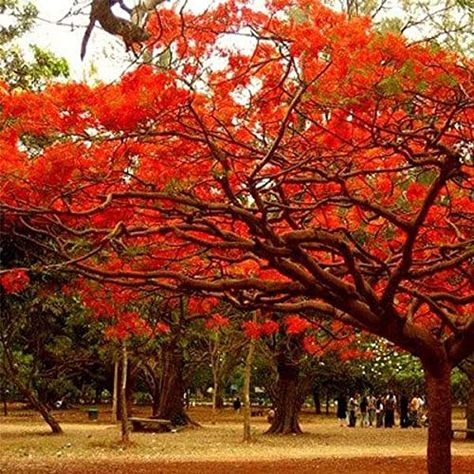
237,404
364,415
404,420
390,404
342,409
379,411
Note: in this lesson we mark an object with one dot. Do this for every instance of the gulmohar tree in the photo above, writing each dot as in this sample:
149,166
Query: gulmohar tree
319,168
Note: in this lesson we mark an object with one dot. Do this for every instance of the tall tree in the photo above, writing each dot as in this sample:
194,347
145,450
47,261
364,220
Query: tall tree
327,168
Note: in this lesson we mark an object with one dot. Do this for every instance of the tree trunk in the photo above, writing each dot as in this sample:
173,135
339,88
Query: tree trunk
5,406
131,375
156,399
30,395
246,390
115,392
288,399
470,406
215,388
438,392
220,399
317,401
171,405
123,398
41,408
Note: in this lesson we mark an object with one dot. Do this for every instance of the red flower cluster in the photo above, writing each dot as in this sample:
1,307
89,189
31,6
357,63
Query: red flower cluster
14,281
216,321
251,329
199,305
353,354
311,345
128,324
162,328
269,327
255,330
296,324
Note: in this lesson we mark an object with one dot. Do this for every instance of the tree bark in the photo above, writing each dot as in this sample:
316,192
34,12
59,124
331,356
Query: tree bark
41,408
129,389
171,391
246,390
115,392
123,398
215,388
317,401
30,395
156,399
5,405
289,400
438,391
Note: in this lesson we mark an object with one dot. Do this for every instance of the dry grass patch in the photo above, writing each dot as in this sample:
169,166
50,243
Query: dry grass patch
26,440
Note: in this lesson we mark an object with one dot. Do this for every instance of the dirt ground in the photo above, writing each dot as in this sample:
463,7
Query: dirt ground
92,447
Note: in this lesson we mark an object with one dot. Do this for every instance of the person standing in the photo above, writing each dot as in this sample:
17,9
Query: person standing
237,404
414,408
379,411
390,404
342,410
404,420
353,405
371,409
364,417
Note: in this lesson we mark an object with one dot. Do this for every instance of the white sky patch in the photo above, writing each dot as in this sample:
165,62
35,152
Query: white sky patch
106,58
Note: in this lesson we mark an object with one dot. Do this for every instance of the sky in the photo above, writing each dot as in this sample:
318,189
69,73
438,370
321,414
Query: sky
105,54
106,58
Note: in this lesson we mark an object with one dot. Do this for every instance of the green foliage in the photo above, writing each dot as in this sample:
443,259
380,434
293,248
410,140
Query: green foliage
22,18
460,385
51,341
16,69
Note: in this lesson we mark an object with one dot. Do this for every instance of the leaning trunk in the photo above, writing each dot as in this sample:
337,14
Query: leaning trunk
288,401
30,395
438,392
41,408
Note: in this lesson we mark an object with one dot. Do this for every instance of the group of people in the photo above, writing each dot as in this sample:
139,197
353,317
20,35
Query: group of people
380,411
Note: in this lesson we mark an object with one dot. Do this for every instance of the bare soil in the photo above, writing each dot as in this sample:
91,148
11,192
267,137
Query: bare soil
93,447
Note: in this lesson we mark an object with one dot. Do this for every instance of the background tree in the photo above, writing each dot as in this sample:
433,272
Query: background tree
15,69
467,366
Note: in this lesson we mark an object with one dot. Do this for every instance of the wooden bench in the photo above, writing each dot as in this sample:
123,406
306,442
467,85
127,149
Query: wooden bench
150,424
257,411
461,430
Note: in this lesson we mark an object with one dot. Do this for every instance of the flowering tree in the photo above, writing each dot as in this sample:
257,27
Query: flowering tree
319,167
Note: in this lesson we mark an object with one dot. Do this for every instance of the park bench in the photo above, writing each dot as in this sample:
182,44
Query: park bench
461,430
150,424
